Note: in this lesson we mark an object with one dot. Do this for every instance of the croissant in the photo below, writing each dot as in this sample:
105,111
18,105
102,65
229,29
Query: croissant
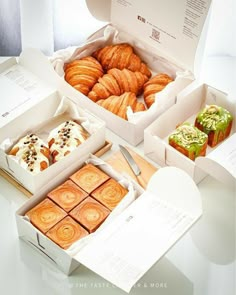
154,85
121,56
116,82
83,73
118,104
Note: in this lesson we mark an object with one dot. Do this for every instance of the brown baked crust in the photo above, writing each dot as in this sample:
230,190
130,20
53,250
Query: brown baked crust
116,82
67,195
110,193
66,232
120,56
45,215
153,86
118,104
190,154
215,136
90,214
89,177
82,74
189,140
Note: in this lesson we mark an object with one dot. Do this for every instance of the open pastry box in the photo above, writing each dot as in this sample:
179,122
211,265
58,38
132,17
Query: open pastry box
166,42
143,222
28,106
218,162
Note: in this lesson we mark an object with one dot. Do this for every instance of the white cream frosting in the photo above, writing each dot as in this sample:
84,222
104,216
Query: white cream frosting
67,136
29,154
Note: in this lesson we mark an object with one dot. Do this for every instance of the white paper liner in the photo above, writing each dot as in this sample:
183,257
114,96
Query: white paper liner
156,63
65,111
134,190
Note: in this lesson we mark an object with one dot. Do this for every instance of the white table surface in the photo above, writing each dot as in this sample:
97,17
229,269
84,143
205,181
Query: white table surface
201,263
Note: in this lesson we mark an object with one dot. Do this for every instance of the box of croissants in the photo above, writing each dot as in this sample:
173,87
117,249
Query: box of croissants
130,71
42,131
199,135
99,218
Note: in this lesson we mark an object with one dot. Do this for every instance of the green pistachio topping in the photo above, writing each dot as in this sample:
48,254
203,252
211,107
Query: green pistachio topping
213,118
187,134
189,137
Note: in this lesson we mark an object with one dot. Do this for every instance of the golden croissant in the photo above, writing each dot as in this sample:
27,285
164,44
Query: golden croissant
121,56
154,85
83,73
116,82
118,104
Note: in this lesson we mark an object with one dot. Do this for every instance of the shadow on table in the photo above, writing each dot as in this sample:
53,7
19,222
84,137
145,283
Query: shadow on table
214,234
163,278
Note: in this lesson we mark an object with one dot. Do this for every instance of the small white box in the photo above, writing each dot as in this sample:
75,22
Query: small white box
218,162
165,34
28,105
143,222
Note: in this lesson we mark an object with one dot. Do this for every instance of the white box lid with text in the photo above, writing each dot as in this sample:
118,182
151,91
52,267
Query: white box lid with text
173,28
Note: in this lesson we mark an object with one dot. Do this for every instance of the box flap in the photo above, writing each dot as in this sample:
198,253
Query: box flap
221,162
172,27
101,9
20,90
150,225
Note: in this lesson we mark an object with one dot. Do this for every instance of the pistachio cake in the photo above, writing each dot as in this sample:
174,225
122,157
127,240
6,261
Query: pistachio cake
189,140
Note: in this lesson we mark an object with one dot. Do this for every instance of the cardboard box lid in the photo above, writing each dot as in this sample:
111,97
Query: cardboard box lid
20,89
172,27
221,162
126,249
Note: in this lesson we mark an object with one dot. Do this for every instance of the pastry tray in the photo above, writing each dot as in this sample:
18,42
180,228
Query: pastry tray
107,146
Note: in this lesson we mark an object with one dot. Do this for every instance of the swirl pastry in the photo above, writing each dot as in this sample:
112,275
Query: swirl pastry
45,215
90,214
189,140
33,154
68,195
110,193
82,74
65,138
89,177
66,232
154,85
216,122
118,104
120,56
116,82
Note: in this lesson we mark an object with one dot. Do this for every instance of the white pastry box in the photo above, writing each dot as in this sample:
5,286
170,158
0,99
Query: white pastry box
138,232
29,105
165,34
218,162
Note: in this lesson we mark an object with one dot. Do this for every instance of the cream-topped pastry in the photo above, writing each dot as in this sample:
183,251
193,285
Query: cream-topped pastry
32,153
65,138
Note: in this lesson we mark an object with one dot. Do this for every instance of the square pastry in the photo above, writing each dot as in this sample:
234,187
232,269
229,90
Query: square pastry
90,214
89,177
45,215
216,122
66,232
189,140
110,193
68,195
